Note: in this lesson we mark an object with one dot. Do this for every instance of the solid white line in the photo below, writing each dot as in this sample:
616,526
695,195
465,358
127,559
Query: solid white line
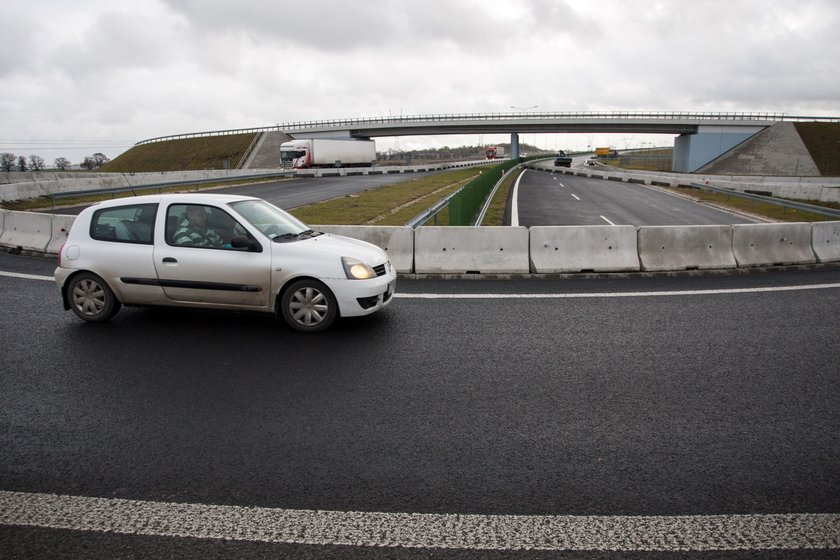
576,197
606,220
621,294
415,530
27,276
514,210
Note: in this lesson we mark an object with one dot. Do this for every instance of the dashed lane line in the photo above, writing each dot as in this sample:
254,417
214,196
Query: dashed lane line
412,530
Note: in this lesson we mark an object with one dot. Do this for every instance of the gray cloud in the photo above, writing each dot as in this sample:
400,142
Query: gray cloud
128,71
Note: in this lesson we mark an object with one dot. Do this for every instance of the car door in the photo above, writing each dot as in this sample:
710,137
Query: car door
201,267
121,251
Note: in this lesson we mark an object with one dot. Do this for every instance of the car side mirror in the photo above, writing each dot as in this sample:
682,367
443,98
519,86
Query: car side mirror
242,242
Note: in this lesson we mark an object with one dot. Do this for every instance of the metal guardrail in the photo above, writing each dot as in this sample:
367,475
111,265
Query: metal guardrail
812,208
518,116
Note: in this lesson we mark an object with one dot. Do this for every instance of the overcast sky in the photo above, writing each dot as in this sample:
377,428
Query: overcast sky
98,76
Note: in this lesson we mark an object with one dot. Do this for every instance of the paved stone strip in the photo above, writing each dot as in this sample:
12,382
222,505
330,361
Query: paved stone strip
479,532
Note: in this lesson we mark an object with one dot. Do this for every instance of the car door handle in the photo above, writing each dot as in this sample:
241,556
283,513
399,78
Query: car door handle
169,260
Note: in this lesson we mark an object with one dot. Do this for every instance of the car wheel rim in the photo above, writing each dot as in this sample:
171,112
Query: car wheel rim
89,297
308,306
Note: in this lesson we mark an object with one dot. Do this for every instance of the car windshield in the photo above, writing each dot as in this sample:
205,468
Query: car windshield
270,220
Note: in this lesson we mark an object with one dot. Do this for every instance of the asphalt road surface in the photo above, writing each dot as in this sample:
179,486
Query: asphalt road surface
548,199
696,415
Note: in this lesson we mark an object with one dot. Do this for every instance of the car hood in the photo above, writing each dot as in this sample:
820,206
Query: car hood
341,246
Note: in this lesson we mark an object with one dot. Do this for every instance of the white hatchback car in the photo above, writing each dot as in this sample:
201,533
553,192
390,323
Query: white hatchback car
221,252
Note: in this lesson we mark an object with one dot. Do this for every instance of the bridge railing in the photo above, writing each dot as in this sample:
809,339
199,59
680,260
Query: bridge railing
518,116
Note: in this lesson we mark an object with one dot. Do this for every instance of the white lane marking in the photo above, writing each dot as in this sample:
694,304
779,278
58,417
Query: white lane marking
562,185
575,197
424,530
621,294
514,210
27,276
606,220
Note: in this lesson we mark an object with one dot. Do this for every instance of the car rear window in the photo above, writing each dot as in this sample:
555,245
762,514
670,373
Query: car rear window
125,224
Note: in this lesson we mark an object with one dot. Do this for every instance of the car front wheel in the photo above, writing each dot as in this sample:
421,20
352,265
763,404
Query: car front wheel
308,306
91,299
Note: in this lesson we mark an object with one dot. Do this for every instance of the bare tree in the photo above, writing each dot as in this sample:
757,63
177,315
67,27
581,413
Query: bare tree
22,166
100,159
36,163
7,161
62,163
88,163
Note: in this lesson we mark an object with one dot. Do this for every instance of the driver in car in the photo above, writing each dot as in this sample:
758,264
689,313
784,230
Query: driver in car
193,231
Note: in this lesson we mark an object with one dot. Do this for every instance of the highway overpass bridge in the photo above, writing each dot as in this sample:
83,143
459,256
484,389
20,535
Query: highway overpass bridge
702,136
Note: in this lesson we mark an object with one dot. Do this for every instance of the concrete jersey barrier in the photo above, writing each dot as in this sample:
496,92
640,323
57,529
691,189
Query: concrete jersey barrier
549,249
27,230
772,244
488,250
825,240
583,248
397,241
685,247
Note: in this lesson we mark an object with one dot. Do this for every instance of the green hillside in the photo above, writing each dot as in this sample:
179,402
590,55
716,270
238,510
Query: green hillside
184,154
823,141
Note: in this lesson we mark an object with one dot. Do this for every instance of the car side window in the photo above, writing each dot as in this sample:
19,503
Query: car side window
198,225
133,223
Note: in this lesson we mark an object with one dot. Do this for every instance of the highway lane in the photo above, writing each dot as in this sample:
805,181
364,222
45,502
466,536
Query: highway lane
724,403
292,193
555,199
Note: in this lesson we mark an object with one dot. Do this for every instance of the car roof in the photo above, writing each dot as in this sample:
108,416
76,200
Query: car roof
175,198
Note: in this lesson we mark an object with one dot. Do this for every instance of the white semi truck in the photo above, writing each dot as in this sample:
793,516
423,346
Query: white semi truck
316,152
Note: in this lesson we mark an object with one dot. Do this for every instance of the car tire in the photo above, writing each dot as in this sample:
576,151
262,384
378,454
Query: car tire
91,298
308,306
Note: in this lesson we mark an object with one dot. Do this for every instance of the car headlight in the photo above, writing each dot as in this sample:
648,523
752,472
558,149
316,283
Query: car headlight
356,269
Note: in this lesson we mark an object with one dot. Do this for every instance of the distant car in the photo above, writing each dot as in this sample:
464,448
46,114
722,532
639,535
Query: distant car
589,162
220,252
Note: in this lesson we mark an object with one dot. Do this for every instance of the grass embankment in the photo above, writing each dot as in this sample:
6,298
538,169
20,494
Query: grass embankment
646,160
183,154
823,142
387,205
770,211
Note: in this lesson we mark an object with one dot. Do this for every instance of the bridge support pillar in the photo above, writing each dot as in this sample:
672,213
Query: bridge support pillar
693,151
514,145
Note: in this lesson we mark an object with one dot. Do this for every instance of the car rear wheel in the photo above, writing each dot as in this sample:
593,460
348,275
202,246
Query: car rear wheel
91,299
308,306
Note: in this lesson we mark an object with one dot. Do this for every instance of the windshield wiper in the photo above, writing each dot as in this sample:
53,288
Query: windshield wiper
311,233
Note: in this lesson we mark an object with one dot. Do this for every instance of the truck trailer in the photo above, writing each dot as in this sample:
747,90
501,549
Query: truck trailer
317,152
494,152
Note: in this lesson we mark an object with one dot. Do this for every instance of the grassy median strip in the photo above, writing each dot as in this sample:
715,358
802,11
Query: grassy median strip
763,209
495,215
386,205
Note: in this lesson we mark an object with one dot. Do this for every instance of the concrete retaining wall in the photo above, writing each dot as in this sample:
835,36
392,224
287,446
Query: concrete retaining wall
489,250
397,241
825,240
685,247
772,244
585,248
